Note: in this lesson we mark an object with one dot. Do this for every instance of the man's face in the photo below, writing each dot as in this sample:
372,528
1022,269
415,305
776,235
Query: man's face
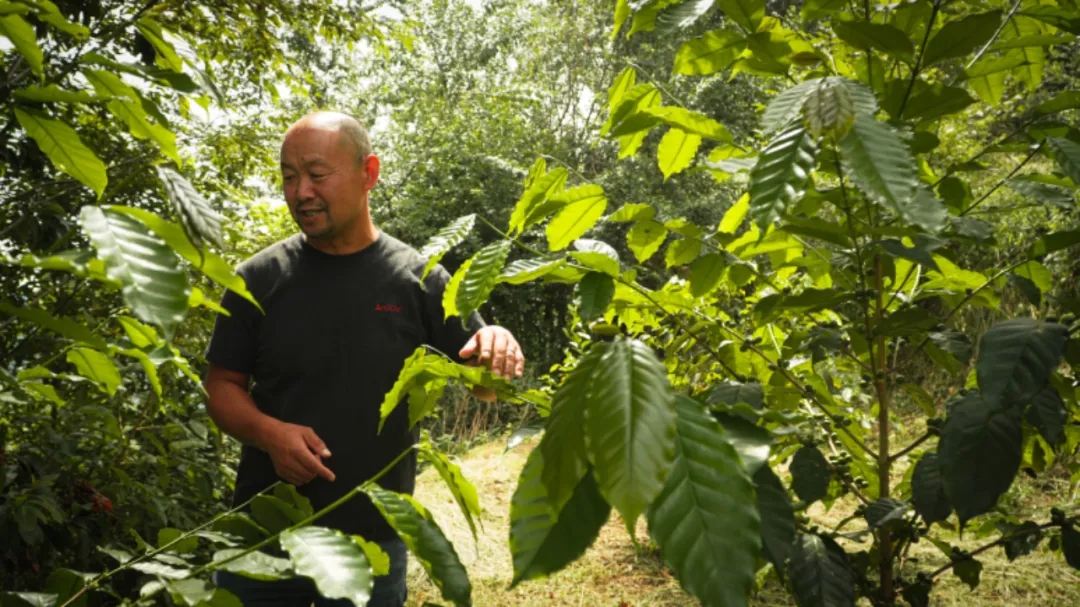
325,183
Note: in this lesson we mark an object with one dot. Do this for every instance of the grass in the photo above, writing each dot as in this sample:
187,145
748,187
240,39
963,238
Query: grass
613,573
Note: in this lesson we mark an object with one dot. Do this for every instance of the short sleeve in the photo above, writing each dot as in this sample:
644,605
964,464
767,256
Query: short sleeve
233,342
448,336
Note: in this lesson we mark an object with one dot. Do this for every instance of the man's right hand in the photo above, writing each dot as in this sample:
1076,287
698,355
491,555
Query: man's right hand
297,453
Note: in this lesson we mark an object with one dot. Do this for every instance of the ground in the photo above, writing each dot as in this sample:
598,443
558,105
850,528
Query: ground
615,574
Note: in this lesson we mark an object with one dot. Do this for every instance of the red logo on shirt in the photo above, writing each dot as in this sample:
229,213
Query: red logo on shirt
387,308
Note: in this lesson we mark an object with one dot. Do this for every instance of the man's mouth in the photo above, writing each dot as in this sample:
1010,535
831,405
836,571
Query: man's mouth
309,212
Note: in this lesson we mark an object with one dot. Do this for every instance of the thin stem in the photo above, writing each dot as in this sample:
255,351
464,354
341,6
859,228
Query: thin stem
900,287
998,542
908,449
1030,155
1001,28
885,546
915,69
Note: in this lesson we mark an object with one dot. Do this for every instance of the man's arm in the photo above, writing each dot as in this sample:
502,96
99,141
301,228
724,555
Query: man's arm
295,450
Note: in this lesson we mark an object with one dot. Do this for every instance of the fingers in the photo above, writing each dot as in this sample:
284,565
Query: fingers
315,443
470,348
498,354
518,366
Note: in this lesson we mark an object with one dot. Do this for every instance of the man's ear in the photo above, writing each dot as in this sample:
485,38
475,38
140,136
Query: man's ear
371,169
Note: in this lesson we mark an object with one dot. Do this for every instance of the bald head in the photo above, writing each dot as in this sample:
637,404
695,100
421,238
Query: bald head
353,133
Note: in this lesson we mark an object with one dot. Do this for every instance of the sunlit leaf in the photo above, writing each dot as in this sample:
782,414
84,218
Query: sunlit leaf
444,240
338,565
779,178
64,148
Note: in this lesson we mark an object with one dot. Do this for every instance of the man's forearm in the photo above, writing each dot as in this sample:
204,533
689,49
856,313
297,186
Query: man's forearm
234,411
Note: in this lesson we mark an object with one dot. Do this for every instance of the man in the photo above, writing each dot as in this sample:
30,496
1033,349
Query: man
344,308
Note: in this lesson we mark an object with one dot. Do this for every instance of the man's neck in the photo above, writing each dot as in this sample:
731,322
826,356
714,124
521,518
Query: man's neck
363,237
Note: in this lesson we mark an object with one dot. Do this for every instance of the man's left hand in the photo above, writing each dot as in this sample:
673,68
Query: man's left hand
495,348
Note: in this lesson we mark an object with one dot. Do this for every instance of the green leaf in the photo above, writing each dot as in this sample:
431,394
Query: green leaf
1065,100
708,54
65,583
566,459
1048,415
813,10
338,565
953,342
444,240
820,573
1070,545
1020,539
681,15
210,264
463,491
635,211
1060,17
168,535
885,512
691,122
586,205
479,277
979,454
629,425
539,191
638,98
1016,358
201,222
415,526
786,107
705,520
255,565
64,148
47,94
927,490
645,238
810,474
28,599
915,253
968,571
166,54
274,513
526,270
1043,192
867,36
595,291
242,526
127,106
777,517
732,393
96,367
1055,241
65,327
676,151
681,252
780,175
936,101
747,13
960,37
22,37
1067,155
830,109
292,497
880,164
623,82
705,273
544,538
154,286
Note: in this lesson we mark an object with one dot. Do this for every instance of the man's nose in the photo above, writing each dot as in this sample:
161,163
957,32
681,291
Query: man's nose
305,188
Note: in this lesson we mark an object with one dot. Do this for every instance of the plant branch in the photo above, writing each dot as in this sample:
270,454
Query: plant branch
915,69
986,47
1000,183
1000,541
908,449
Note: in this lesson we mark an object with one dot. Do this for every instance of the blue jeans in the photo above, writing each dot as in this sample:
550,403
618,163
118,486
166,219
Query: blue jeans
389,591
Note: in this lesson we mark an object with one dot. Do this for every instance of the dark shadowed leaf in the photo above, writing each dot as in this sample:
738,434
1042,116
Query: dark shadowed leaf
595,291
880,164
65,583
705,520
563,444
1070,545
820,573
810,474
1048,415
969,571
1016,358
955,343
928,492
1020,539
960,37
777,517
64,148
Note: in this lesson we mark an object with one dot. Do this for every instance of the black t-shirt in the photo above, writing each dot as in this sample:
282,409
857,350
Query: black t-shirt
336,332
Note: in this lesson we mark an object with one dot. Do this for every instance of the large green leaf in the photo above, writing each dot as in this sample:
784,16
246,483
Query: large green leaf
66,327
676,151
96,367
636,99
566,459
747,13
595,292
646,238
691,122
979,454
545,538
580,214
786,107
201,222
415,526
1067,155
779,177
1048,415
820,573
1065,100
705,519
810,474
52,93
480,277
927,490
1043,192
210,264
28,599
867,36
527,270
681,15
338,565
542,188
127,106
830,109
777,517
629,426
879,162
711,53
22,37
1016,358
64,148
154,286
936,101
255,565
444,240
65,584
705,273
463,491
961,37
151,30
623,82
